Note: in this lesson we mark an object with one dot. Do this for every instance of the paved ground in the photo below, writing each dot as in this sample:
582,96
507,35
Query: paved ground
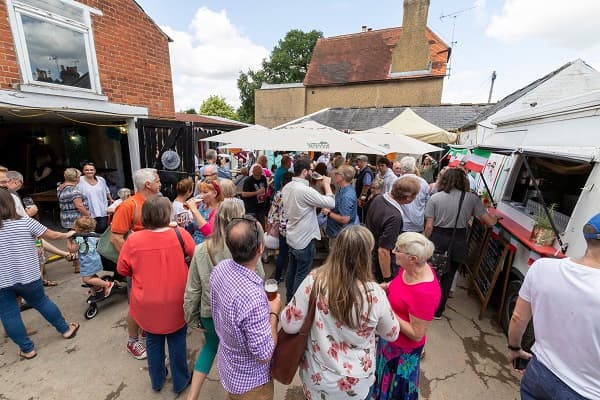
465,357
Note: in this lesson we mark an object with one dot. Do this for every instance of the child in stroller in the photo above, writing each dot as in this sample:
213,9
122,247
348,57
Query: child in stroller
84,242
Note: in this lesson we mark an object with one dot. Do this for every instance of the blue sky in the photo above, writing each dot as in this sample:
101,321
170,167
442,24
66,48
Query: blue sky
521,39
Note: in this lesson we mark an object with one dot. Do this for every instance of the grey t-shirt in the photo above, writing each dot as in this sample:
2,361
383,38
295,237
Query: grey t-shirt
442,208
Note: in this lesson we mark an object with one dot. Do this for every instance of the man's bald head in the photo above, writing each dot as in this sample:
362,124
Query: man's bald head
244,239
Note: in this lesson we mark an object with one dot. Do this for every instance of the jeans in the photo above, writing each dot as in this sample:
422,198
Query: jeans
10,314
282,257
539,383
155,349
101,224
299,265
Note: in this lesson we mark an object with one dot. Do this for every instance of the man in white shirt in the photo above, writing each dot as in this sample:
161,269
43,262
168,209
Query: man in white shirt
562,296
300,202
14,183
384,166
414,213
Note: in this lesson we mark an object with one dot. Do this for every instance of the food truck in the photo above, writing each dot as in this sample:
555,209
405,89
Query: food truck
543,175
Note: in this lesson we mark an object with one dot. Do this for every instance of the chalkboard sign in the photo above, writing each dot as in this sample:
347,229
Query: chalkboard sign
478,237
490,265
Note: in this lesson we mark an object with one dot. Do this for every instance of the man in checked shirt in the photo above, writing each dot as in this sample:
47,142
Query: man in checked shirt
245,321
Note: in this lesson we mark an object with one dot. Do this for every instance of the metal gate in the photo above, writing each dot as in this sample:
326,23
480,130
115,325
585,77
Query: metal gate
167,146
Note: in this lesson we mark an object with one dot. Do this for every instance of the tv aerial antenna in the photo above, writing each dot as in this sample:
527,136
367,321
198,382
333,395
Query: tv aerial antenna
453,42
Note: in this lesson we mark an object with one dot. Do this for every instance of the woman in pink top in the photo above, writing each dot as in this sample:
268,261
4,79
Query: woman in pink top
414,295
204,212
155,260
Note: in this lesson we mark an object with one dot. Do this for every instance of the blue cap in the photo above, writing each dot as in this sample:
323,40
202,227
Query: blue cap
593,228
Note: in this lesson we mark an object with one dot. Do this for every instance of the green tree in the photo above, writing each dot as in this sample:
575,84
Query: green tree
288,63
247,82
217,106
290,58
190,111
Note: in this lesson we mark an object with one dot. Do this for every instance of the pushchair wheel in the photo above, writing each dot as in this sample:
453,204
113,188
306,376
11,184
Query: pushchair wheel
91,311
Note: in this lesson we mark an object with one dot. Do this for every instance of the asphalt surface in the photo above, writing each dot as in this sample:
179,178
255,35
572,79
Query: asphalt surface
465,357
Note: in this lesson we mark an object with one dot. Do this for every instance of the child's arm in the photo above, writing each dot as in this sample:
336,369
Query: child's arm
53,249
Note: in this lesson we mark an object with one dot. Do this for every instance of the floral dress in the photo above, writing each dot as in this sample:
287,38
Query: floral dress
339,362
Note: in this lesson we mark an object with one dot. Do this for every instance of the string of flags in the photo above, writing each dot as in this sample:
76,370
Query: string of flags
474,160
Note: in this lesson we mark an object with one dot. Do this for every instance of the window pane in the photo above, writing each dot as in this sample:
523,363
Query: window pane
56,54
57,7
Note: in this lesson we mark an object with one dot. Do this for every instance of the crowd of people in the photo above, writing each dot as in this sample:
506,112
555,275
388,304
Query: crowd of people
195,263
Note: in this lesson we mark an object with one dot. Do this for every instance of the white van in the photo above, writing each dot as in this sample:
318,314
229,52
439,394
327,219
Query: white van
548,156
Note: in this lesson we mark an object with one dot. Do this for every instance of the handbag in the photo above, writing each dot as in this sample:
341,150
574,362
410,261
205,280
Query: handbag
105,247
291,346
440,260
187,258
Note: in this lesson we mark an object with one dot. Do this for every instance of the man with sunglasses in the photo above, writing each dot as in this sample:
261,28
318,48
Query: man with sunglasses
245,321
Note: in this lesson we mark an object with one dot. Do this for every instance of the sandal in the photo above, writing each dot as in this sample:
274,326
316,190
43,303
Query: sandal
75,328
50,283
27,356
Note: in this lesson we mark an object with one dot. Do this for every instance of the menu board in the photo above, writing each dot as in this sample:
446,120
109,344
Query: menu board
478,237
491,263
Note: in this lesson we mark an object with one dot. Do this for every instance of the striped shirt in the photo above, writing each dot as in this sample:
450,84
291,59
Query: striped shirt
18,256
241,315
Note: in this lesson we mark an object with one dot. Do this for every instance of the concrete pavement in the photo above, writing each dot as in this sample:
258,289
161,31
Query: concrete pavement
465,357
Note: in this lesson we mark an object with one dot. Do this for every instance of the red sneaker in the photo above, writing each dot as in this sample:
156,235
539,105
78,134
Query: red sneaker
137,350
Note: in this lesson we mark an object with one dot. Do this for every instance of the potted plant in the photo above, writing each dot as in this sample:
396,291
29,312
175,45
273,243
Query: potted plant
543,234
486,199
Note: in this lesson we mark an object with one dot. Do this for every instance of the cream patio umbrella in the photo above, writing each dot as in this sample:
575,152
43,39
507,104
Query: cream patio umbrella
240,133
305,136
394,142
410,124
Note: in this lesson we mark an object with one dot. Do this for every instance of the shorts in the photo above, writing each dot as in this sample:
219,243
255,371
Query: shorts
90,264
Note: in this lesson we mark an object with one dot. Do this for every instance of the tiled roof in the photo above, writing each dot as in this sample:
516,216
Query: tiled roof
447,116
203,119
511,98
366,57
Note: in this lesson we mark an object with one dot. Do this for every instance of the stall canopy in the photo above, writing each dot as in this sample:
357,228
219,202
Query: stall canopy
410,124
237,134
305,136
394,143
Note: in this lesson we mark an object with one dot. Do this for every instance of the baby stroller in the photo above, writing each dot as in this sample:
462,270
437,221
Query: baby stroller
94,297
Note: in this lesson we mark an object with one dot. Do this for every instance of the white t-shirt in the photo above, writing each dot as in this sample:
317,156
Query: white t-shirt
96,196
180,214
565,301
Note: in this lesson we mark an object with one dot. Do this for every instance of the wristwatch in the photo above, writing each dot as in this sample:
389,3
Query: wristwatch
514,348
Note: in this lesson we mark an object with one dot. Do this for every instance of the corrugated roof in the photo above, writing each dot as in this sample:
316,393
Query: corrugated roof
366,57
447,116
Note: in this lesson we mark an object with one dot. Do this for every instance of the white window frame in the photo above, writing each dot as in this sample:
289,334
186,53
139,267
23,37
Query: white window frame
16,8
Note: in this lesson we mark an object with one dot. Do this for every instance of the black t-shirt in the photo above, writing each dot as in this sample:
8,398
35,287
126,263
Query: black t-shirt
385,223
255,203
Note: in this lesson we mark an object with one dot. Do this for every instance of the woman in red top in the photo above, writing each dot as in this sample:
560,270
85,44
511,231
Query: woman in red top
414,296
155,260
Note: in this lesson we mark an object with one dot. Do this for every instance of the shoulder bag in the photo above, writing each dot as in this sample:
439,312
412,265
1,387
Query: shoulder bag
187,258
105,247
440,260
291,346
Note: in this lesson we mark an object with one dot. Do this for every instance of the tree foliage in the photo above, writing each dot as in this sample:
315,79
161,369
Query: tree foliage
217,106
288,63
190,111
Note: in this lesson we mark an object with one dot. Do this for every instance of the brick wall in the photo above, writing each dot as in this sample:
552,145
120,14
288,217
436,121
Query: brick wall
132,54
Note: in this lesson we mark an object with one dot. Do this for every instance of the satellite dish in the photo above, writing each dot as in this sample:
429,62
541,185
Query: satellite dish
170,160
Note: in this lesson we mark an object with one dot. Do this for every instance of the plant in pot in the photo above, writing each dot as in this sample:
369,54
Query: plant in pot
543,234
486,199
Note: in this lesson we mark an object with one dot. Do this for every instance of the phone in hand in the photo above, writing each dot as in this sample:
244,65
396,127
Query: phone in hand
520,363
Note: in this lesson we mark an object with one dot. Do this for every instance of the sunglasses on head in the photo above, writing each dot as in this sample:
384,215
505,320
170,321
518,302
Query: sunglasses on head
250,220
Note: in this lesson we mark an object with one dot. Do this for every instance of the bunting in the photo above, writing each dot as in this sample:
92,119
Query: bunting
477,159
456,156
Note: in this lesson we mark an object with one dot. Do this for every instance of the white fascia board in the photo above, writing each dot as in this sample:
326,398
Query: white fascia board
39,101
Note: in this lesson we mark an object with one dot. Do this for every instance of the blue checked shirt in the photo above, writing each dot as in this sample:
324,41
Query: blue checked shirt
240,312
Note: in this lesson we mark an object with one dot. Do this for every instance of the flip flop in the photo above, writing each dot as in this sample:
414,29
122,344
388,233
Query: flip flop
24,356
50,283
74,333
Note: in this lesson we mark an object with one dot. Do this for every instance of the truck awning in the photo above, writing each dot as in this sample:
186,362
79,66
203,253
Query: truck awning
581,154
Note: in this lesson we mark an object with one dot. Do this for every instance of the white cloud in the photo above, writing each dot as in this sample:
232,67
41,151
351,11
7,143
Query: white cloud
207,58
564,24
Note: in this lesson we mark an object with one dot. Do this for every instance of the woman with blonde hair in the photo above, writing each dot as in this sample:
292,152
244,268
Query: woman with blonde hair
205,210
414,295
351,308
196,301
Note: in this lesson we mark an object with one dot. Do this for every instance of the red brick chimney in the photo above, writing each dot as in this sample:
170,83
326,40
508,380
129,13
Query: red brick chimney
412,50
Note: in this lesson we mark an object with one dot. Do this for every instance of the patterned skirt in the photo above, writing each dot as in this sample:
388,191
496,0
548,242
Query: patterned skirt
397,376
